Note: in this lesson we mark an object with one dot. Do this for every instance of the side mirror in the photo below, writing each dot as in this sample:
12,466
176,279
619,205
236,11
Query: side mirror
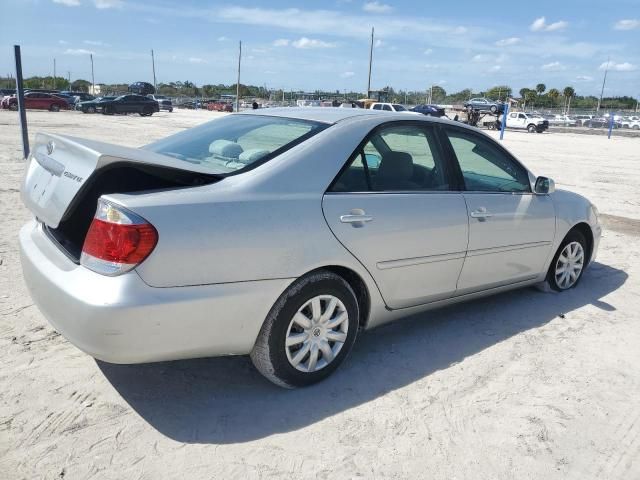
544,186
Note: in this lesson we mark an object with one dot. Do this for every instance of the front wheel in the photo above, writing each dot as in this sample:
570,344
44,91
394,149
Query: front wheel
568,263
531,128
308,332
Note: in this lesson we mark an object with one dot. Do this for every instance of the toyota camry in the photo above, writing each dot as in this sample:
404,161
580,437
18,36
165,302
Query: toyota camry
284,233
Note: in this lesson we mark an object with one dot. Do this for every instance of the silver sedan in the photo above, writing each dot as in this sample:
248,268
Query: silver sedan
282,234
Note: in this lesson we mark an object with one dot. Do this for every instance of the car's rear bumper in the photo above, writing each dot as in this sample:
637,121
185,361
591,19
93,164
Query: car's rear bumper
123,320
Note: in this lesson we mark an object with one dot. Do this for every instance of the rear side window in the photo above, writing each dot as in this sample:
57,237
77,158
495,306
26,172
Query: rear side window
395,159
484,166
235,142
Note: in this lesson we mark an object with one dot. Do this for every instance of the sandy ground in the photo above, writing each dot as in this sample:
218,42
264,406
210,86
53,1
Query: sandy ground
524,385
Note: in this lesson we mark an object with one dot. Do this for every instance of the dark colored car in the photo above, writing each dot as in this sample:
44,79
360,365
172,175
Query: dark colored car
484,105
429,110
92,106
130,104
84,96
600,122
142,88
37,100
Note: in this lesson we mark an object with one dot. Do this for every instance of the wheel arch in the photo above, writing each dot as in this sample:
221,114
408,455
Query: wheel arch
585,229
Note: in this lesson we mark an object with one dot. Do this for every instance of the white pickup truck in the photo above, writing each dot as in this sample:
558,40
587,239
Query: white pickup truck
391,107
527,121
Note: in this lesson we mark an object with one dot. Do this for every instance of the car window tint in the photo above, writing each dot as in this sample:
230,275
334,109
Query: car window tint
386,107
377,107
484,166
397,158
522,115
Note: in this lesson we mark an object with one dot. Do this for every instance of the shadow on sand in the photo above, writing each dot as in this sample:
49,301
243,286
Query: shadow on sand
224,400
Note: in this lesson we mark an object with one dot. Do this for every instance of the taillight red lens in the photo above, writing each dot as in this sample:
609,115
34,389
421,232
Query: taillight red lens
119,243
117,240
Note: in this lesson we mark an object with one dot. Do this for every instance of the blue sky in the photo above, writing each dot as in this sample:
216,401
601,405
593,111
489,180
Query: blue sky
324,45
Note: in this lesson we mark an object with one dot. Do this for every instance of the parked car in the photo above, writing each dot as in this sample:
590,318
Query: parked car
484,105
562,121
429,110
601,122
391,107
82,96
163,101
71,101
581,119
37,100
279,235
130,104
527,121
142,88
631,122
93,106
220,107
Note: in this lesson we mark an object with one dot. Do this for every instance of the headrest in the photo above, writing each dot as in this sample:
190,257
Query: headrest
225,148
396,165
252,155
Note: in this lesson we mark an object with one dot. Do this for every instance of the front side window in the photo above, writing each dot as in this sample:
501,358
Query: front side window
377,106
395,158
387,108
233,143
484,166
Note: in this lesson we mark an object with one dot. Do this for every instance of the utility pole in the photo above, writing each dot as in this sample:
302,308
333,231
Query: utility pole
54,73
20,95
370,62
93,80
238,83
604,80
69,79
153,66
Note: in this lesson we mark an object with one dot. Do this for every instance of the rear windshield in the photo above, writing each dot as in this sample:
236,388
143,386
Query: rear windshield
235,142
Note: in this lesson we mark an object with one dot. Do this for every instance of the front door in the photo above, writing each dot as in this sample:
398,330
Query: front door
511,229
394,208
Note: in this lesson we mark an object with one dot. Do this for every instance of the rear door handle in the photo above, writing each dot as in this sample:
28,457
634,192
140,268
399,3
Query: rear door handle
356,217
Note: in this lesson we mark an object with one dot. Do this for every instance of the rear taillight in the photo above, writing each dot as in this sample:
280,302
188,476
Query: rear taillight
117,240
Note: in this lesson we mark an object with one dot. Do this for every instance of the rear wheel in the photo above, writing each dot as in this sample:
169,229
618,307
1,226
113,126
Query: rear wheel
636,127
54,108
531,128
308,332
14,107
107,110
91,109
568,263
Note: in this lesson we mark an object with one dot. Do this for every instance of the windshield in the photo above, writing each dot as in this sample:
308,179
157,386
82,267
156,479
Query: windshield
235,142
399,108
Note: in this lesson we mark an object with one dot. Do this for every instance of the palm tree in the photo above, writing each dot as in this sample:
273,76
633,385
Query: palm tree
530,96
523,95
553,95
568,92
540,88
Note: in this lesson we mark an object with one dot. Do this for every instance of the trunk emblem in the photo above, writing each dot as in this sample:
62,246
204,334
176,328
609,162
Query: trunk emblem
50,147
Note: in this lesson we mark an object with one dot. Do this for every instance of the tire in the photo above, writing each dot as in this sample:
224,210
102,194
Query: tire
493,109
54,108
275,360
146,112
170,110
540,130
531,128
91,110
13,107
107,110
636,127
572,238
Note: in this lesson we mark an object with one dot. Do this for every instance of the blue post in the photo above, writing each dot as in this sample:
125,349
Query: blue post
504,120
610,124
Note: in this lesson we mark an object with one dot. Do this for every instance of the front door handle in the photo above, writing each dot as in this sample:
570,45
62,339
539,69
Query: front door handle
356,217
481,213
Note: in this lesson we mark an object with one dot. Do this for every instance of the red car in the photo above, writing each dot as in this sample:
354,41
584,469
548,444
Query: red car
220,107
37,100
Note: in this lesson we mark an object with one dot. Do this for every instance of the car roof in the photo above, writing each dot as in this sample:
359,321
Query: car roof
316,114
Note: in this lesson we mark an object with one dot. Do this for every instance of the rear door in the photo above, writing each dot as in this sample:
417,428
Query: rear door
394,207
511,229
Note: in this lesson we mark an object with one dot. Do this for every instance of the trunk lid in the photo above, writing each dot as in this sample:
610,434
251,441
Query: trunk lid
61,167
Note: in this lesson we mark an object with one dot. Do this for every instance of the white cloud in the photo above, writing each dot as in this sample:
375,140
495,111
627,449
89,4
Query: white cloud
480,58
495,68
377,7
540,25
222,39
428,51
618,67
347,74
628,24
459,30
584,78
281,42
378,43
196,60
103,4
484,58
305,42
552,67
96,43
78,51
505,42
68,3
63,42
